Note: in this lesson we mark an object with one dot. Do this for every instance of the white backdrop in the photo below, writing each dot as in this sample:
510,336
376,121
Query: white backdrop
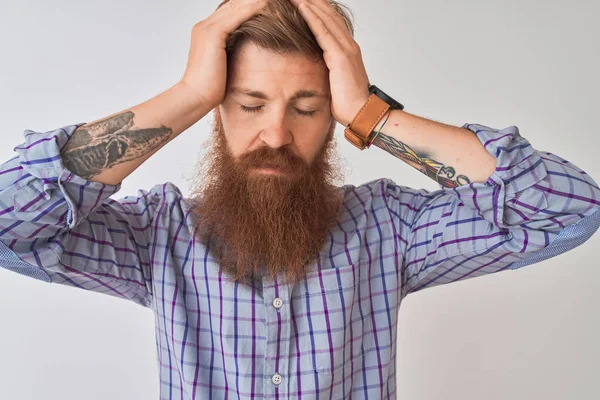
526,334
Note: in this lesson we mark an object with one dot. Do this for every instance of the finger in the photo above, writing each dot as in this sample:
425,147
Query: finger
324,36
335,12
334,22
234,13
326,6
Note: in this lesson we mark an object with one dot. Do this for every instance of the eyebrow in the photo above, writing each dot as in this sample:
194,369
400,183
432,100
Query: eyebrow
302,93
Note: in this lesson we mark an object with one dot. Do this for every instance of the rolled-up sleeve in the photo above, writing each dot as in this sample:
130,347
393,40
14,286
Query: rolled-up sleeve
58,227
534,206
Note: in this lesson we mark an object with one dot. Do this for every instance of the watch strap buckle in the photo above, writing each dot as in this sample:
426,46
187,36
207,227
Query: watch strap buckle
360,129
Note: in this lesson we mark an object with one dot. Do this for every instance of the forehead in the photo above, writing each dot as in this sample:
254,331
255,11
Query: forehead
260,69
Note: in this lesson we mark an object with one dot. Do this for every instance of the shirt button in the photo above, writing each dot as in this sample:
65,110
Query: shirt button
277,379
277,303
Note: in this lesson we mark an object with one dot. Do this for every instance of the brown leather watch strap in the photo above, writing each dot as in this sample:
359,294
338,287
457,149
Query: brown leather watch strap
359,130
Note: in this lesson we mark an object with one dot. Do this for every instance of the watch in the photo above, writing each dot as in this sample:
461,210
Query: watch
359,131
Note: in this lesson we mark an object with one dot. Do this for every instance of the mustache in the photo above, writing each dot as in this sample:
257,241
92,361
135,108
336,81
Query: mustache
266,157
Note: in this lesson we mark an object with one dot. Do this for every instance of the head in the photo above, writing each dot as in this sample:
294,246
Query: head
266,198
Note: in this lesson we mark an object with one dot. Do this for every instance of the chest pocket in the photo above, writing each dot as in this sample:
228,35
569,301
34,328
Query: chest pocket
332,314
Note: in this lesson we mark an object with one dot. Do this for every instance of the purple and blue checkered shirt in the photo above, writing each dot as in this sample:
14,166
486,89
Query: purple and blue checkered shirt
333,335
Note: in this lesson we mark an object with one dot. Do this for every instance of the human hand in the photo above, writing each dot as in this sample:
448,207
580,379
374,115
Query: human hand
347,74
206,70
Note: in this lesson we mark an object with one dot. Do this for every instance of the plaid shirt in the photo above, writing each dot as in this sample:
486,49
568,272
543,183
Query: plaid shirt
331,336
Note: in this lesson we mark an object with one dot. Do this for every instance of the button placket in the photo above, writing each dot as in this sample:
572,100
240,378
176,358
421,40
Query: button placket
278,329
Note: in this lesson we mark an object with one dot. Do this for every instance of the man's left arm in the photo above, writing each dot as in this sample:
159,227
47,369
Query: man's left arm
525,206
543,185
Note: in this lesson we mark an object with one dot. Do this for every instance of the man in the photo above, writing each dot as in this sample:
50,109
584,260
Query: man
269,280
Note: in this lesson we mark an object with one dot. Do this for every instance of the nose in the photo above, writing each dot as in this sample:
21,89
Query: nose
276,133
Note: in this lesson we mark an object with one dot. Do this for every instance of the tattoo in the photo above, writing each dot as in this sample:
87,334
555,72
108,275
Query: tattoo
101,145
437,171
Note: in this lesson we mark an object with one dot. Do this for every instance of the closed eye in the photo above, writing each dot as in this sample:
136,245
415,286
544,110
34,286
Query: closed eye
258,108
250,109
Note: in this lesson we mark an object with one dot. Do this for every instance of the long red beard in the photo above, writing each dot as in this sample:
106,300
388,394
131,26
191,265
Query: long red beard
259,223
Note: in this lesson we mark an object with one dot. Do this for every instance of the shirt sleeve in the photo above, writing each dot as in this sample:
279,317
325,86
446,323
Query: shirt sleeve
535,205
58,227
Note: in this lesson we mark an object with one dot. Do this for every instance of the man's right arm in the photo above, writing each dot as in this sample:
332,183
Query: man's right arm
110,149
57,220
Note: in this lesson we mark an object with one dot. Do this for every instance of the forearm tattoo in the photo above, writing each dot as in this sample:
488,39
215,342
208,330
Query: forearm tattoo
443,174
101,145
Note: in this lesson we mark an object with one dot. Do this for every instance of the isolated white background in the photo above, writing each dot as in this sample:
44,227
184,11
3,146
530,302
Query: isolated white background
526,334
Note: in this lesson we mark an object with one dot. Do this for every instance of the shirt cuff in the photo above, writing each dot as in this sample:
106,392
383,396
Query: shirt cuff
518,167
